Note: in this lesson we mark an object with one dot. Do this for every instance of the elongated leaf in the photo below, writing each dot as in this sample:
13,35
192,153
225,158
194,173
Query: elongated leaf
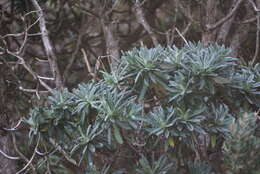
117,134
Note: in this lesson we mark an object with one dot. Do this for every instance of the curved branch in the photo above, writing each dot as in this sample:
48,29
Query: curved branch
21,154
30,161
8,156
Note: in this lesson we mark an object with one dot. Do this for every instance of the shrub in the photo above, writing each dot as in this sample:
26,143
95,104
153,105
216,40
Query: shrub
163,110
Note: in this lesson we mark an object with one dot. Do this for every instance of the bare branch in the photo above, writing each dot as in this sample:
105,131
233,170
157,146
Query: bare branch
8,156
254,6
29,69
208,16
48,47
226,26
15,127
89,69
185,11
253,19
257,39
221,21
112,43
181,36
140,16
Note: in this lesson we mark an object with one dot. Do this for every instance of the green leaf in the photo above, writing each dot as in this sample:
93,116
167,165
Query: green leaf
117,134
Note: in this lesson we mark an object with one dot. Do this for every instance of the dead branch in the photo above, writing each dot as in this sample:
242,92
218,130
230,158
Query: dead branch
226,26
48,47
221,21
29,69
89,69
254,6
112,42
140,16
8,156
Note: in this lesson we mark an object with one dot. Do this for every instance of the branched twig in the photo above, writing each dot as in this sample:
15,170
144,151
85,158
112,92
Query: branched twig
221,21
25,33
27,28
29,69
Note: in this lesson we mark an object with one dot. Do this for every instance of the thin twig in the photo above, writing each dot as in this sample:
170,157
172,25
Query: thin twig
45,78
26,30
15,127
36,91
30,161
8,156
29,69
89,68
249,20
181,36
59,148
257,38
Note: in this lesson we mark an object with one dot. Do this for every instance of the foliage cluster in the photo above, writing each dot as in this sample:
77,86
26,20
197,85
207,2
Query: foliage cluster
163,110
